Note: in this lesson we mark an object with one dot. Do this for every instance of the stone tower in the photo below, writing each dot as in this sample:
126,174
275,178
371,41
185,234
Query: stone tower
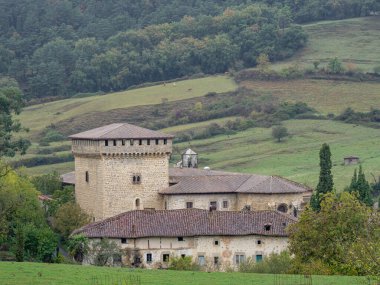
120,167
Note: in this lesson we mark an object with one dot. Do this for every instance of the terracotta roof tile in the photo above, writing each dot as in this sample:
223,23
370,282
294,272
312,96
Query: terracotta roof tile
120,131
188,222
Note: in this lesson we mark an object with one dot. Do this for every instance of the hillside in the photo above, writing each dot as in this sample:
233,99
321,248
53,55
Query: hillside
354,41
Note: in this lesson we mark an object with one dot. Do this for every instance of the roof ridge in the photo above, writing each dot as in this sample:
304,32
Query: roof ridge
237,189
121,124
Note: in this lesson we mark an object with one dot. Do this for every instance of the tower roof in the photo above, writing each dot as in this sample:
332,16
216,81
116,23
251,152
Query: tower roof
120,131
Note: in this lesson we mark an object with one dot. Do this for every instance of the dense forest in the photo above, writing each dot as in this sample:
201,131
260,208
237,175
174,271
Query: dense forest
60,48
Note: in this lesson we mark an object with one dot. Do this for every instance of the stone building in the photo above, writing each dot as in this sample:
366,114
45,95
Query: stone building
123,180
216,240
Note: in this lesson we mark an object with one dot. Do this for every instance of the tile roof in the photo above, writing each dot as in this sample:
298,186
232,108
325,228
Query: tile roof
188,222
232,183
120,131
68,178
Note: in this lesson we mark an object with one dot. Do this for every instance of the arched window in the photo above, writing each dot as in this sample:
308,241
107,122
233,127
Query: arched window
282,208
137,204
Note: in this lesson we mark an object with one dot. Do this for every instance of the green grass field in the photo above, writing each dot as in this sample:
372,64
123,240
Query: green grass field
61,274
37,117
297,158
354,41
326,96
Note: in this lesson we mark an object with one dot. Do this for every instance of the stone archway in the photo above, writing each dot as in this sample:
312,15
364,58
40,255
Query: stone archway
282,208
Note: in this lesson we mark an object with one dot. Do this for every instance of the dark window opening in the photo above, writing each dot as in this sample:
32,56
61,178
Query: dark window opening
149,258
136,179
106,142
295,212
258,241
140,142
87,177
267,227
216,260
259,258
213,206
225,204
165,141
165,257
183,255
157,141
180,238
148,142
137,203
124,240
216,242
189,205
131,142
114,142
122,142
282,208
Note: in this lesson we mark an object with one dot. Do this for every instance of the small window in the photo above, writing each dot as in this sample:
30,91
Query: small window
201,260
216,242
267,227
180,238
225,204
282,208
106,142
140,142
259,258
134,179
213,205
165,257
216,260
124,240
148,142
138,179
131,142
137,204
149,258
258,241
183,255
114,143
239,259
87,177
165,141
122,142
157,141
189,205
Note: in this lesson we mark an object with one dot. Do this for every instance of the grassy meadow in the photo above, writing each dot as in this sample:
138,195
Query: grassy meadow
326,96
354,41
296,158
62,274
37,117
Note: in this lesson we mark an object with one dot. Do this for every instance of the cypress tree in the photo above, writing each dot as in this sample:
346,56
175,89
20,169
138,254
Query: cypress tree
325,184
363,188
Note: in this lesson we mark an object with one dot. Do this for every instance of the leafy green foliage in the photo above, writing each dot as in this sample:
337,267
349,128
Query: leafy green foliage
103,251
47,183
274,263
279,132
326,183
183,263
20,244
78,247
10,104
326,237
335,66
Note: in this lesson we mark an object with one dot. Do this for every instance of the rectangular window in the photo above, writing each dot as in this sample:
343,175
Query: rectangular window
131,142
87,177
201,260
225,204
122,142
124,240
165,257
114,142
183,255
259,258
156,141
148,142
216,242
149,258
216,260
165,141
189,205
239,259
180,238
213,205
106,142
140,142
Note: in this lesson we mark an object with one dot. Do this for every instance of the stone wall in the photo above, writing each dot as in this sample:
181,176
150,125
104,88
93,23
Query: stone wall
201,201
206,248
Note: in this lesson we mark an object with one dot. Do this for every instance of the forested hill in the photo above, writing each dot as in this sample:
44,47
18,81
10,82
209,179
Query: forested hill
57,48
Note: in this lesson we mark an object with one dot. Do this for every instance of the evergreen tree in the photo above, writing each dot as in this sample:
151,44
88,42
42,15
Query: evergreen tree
20,244
360,185
325,184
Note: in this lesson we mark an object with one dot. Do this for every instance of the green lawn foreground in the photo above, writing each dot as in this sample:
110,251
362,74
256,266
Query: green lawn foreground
12,273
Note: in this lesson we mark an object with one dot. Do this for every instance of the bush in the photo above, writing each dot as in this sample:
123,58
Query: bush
52,136
183,263
273,264
279,132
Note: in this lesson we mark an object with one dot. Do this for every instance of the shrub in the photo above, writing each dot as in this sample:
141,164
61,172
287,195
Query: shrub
273,264
183,263
279,132
52,136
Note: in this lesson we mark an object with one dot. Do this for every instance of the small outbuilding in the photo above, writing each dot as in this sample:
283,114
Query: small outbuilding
351,160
